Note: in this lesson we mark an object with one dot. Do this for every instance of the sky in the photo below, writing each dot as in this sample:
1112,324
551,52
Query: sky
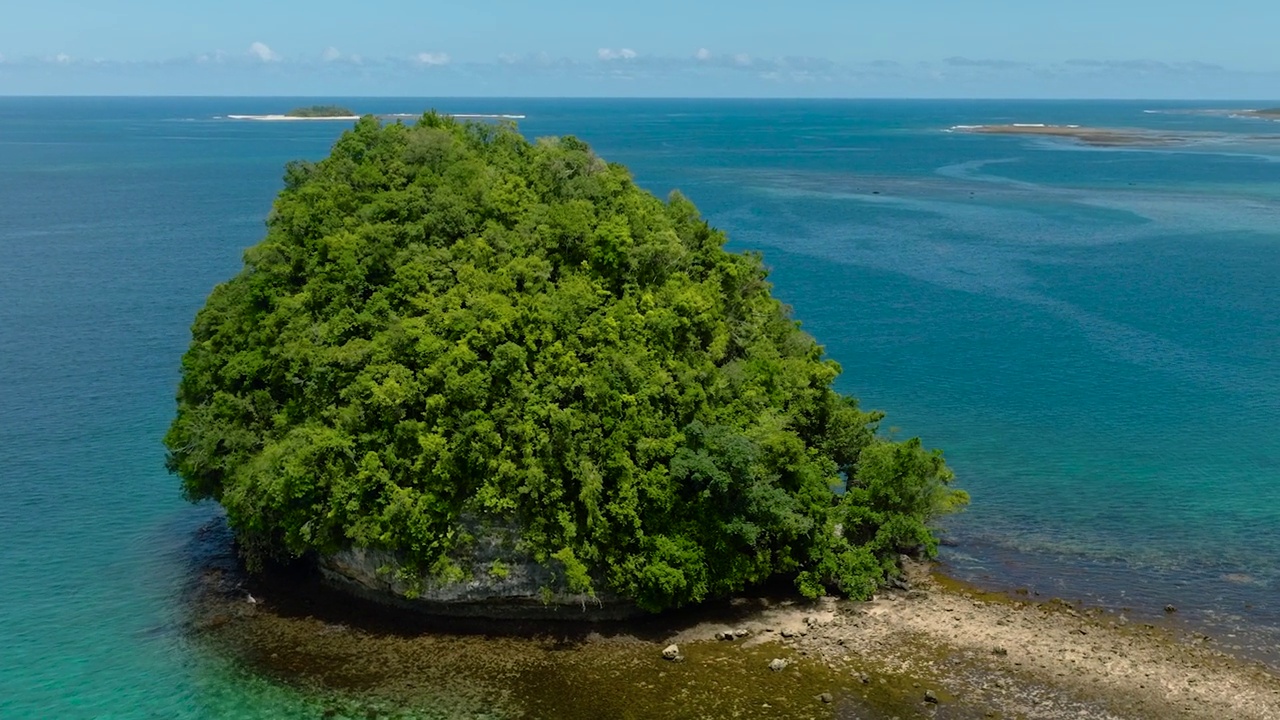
707,48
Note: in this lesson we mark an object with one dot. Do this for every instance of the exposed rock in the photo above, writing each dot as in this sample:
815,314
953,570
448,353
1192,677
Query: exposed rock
522,590
741,632
1170,609
778,664
930,698
826,698
671,652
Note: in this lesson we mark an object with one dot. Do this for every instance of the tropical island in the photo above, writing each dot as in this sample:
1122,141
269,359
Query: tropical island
467,370
322,111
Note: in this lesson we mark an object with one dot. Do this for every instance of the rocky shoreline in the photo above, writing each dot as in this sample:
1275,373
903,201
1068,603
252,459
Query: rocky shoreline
930,648
515,588
990,655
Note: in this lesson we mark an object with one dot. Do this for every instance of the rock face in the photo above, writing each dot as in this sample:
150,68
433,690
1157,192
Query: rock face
502,584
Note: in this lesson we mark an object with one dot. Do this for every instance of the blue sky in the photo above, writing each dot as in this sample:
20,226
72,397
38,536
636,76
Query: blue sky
912,48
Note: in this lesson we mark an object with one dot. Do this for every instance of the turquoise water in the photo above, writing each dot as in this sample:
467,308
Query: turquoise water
1091,334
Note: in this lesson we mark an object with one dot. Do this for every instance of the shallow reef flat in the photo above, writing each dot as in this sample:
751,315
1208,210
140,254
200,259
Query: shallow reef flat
930,647
1115,137
1104,137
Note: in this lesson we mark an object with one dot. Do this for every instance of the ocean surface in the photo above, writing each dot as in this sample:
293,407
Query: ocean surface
1092,335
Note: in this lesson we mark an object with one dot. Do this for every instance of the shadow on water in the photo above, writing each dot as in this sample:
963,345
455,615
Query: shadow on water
358,659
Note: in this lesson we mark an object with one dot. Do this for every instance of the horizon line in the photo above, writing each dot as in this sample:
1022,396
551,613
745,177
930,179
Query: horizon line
767,98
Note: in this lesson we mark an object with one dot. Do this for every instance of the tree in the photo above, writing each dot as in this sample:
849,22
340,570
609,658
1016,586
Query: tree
449,325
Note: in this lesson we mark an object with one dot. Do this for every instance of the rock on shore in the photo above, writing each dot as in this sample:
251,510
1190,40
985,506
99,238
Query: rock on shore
501,583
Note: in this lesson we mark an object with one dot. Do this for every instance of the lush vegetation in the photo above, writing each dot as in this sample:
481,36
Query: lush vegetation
449,325
321,111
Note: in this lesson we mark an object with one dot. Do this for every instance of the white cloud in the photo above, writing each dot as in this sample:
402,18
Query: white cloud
263,53
607,54
217,56
742,59
432,58
330,54
703,54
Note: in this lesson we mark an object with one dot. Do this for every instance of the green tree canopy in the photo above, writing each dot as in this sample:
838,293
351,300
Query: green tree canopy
447,323
321,111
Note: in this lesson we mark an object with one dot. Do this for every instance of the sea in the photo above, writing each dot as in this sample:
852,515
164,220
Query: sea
1091,334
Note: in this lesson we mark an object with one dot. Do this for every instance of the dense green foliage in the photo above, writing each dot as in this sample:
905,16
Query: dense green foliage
321,111
449,325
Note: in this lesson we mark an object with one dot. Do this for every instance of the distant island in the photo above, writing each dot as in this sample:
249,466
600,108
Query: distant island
1272,113
338,112
321,111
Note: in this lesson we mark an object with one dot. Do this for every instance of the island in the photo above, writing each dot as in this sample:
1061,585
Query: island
465,372
322,111
1265,112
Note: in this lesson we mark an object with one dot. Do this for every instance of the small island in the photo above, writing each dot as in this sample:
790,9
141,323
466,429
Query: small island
1266,112
469,374
322,111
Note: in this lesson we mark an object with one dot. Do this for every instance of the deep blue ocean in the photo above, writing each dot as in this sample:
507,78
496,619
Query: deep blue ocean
1092,335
